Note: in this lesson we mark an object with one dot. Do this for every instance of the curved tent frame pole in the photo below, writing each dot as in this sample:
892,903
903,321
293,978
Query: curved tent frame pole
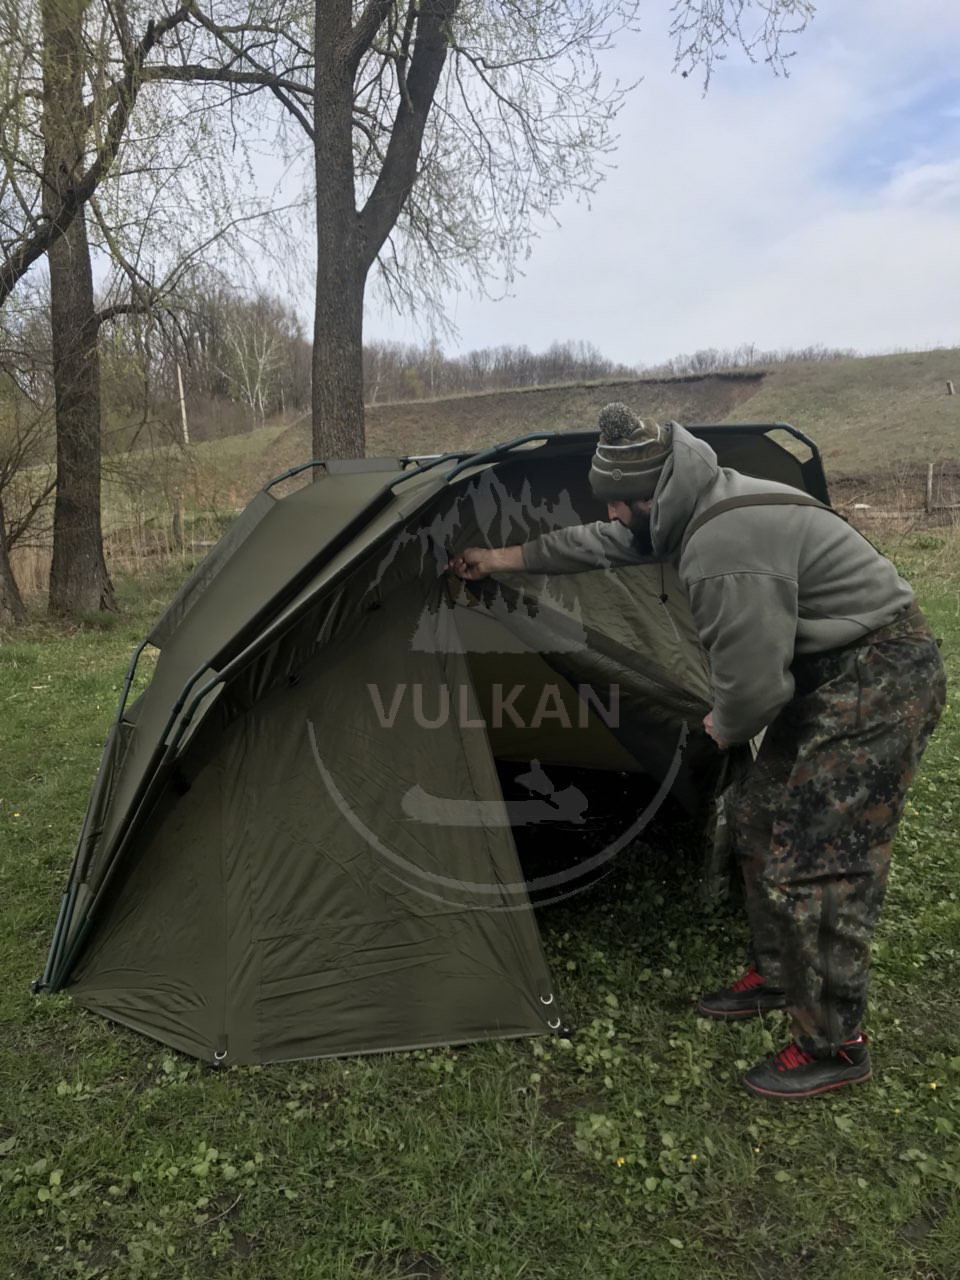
66,910
128,682
811,468
425,465
293,471
758,428
498,451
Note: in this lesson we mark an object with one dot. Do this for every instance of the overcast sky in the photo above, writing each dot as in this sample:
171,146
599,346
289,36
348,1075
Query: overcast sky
820,208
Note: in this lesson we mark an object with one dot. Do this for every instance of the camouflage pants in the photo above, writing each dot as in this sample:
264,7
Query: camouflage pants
817,813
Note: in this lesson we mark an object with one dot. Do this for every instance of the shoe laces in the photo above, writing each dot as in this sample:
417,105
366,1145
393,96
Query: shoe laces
861,1039
749,980
791,1057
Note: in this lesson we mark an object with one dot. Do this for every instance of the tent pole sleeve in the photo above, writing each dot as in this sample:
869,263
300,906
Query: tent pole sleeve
131,672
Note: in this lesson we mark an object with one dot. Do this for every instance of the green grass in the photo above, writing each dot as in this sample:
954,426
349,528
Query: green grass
524,1159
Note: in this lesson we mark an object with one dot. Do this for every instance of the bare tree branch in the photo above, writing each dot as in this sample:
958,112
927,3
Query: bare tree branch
76,194
399,169
364,30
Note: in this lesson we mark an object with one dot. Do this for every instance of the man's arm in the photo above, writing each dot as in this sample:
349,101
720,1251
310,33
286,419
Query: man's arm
604,544
480,562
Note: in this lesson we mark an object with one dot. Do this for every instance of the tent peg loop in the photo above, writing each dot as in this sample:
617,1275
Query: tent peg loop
549,999
554,1024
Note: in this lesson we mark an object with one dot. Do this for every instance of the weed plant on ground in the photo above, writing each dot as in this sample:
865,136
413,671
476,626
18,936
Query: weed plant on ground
626,1150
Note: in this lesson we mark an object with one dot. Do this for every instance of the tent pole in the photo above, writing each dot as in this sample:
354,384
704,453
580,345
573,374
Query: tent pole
66,909
131,672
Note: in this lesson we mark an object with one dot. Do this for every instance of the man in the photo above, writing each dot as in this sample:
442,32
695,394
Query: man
813,636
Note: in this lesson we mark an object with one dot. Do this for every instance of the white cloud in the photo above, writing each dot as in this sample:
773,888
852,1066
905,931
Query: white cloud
727,218
926,184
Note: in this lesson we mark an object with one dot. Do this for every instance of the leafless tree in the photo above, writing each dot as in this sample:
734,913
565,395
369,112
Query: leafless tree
32,219
26,436
746,356
89,153
442,133
397,371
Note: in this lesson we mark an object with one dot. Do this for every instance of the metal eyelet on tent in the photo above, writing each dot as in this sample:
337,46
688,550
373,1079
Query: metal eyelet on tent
219,1055
554,1026
549,999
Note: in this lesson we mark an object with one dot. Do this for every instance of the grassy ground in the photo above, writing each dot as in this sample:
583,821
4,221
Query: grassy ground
629,1150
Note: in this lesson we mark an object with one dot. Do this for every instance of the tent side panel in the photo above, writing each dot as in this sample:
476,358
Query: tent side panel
391,985
371,927
208,569
280,543
155,959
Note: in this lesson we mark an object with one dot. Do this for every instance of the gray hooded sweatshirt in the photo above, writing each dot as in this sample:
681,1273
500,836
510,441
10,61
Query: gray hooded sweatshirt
764,583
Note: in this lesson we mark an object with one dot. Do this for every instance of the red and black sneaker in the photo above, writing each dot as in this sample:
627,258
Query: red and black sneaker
794,1073
747,998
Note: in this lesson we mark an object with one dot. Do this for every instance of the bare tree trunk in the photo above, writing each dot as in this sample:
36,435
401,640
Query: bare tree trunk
338,428
78,577
11,603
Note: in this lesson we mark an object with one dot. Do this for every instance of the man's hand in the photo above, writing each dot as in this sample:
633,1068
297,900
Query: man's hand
480,562
708,725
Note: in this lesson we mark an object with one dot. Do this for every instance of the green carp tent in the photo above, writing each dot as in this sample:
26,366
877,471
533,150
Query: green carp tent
297,843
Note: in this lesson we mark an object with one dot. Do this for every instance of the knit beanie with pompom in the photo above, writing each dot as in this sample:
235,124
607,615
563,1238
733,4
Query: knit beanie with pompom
630,455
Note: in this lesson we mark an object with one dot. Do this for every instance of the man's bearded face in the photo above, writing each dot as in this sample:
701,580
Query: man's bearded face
636,517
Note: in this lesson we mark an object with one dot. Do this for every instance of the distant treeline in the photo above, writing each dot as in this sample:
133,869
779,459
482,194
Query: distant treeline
746,356
399,371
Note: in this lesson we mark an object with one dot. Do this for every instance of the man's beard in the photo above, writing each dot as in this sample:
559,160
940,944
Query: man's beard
639,526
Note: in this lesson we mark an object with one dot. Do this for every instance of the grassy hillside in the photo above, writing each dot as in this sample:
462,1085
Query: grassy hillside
473,421
867,413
